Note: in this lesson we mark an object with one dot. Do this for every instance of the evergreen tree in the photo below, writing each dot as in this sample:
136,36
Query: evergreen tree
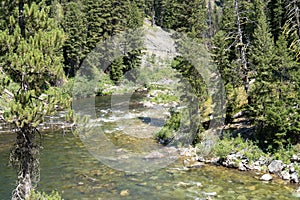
132,41
31,64
284,114
183,16
75,47
272,67
231,50
276,17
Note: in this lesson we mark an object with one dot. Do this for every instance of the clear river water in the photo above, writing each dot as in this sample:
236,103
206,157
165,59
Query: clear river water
68,166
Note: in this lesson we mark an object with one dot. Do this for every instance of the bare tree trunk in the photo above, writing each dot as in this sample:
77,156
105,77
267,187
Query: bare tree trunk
24,158
21,18
296,16
153,16
210,24
242,51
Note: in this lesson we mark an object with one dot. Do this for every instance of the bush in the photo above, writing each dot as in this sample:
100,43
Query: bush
284,154
247,148
170,128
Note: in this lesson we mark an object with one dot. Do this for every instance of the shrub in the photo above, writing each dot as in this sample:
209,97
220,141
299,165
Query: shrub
170,128
233,145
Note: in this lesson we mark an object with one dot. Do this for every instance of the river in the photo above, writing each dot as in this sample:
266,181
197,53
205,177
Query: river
68,166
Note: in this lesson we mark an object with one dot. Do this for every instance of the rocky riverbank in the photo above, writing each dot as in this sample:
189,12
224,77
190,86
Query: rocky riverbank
267,168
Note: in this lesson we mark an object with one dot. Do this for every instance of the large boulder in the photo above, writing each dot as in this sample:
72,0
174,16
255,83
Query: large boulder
275,166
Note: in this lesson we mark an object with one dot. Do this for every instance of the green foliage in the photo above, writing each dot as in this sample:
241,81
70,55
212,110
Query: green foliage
274,93
283,153
75,48
229,145
168,132
164,98
183,16
32,64
36,195
104,84
88,23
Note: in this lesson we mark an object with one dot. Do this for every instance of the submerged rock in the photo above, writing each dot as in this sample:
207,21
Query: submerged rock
124,193
154,155
195,165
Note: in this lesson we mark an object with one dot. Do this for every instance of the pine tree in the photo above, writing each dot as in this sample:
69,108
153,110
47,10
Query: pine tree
183,16
276,17
75,47
263,93
31,65
231,51
131,34
282,116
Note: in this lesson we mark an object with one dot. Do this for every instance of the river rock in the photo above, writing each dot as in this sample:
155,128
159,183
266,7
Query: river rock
266,177
295,158
188,152
292,169
231,161
148,104
285,175
195,165
124,193
210,193
294,177
242,167
275,166
201,159
257,167
154,155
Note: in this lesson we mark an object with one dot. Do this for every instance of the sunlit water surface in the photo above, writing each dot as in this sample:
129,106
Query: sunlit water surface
68,167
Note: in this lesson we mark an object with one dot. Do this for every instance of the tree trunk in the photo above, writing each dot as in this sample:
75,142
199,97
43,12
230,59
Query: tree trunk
153,16
242,50
21,18
25,159
210,24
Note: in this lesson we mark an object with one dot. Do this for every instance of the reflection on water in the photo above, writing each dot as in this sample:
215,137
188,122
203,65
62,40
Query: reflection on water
68,167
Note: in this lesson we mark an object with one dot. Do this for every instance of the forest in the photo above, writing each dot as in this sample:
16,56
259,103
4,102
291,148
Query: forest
254,44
